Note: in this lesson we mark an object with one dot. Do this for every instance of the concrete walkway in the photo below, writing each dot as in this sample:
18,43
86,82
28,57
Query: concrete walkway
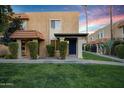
106,56
57,61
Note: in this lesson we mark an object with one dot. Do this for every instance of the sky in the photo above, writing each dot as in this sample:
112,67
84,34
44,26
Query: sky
98,15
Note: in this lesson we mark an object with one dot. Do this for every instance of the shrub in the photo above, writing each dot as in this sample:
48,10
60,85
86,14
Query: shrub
119,49
93,48
33,49
107,49
88,47
9,56
13,47
63,49
4,50
50,50
115,43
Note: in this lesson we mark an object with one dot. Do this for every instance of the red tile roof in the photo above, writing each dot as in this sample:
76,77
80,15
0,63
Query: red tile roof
27,34
121,24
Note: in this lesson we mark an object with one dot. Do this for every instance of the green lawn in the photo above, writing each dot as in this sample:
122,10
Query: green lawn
95,57
62,75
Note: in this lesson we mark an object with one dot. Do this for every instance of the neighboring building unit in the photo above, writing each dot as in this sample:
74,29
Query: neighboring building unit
102,35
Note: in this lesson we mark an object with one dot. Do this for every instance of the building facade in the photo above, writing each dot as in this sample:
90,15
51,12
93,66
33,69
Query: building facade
104,34
48,27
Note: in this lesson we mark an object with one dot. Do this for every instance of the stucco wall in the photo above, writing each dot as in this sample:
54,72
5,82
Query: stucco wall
40,21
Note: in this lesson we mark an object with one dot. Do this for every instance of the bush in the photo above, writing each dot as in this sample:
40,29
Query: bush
88,47
93,48
119,49
33,49
63,49
9,56
50,50
13,47
115,43
4,50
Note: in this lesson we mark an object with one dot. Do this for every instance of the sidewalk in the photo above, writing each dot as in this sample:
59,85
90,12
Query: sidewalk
114,58
57,61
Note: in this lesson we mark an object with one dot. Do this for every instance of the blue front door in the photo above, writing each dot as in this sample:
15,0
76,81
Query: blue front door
72,46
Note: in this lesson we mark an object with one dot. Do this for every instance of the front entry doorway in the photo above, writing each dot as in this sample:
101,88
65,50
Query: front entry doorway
24,48
72,46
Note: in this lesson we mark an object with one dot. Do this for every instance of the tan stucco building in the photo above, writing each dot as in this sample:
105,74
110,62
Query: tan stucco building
104,34
47,27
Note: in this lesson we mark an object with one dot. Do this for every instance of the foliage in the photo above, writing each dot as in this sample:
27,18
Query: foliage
9,56
115,43
14,25
13,47
88,47
107,48
63,49
8,24
5,16
119,49
50,50
93,48
33,49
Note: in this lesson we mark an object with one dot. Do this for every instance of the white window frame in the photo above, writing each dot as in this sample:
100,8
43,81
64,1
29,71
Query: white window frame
56,20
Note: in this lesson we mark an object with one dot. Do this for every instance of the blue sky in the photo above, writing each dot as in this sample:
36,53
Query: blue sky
98,15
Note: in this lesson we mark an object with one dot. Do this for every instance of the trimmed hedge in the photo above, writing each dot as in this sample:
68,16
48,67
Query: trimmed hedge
63,49
13,47
50,50
33,49
119,49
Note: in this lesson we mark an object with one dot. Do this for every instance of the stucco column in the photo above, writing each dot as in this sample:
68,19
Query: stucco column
19,49
79,47
97,48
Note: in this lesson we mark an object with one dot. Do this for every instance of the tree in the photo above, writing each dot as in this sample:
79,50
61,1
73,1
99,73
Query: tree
110,11
5,16
14,25
8,24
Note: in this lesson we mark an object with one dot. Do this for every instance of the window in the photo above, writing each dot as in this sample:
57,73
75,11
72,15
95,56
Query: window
101,35
56,24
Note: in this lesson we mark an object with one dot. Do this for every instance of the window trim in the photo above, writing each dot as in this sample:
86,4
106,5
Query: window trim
56,20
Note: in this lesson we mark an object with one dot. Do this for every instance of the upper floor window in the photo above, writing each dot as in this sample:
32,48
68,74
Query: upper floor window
56,24
101,35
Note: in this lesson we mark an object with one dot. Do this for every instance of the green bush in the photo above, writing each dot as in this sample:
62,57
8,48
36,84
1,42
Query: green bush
50,50
63,49
115,43
119,49
33,49
13,47
9,56
88,47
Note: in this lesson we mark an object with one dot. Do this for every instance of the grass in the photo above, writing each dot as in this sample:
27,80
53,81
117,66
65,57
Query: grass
90,56
61,75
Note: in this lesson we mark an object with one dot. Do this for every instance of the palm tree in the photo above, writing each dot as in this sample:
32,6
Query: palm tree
110,11
85,8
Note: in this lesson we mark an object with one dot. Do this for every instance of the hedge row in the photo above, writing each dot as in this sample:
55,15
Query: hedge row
62,49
